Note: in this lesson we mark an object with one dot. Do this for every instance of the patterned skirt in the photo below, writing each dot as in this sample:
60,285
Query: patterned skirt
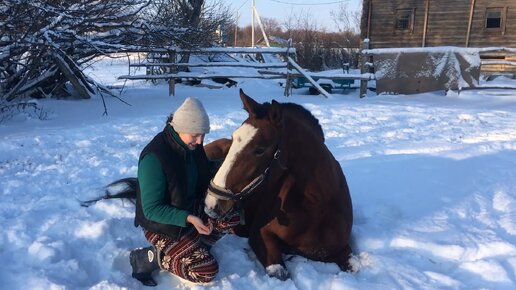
188,258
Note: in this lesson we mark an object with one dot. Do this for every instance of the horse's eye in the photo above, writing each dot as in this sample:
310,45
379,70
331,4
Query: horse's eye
259,151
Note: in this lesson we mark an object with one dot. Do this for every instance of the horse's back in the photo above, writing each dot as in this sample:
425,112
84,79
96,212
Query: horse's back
217,149
320,213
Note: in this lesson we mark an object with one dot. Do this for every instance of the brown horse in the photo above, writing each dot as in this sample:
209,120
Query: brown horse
293,191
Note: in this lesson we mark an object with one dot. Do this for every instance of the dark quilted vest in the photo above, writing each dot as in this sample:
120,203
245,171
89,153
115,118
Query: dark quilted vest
173,163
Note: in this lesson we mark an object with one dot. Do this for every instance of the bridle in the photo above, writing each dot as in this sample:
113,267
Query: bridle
226,194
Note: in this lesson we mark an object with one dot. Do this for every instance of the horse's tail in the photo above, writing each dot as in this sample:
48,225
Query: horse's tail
122,188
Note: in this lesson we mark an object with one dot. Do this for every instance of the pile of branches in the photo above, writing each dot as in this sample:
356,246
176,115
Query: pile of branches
44,44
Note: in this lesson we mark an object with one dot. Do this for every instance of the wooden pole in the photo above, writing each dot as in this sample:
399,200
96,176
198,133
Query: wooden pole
425,24
288,80
252,24
471,11
369,15
309,78
261,28
363,68
172,86
72,77
236,30
172,58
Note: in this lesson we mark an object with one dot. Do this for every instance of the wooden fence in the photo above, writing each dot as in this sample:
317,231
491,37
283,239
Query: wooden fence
165,65
420,69
162,64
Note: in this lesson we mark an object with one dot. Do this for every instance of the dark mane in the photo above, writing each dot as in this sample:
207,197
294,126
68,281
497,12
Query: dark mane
307,115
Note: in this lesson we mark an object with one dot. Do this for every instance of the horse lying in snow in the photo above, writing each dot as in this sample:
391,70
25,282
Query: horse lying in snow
292,190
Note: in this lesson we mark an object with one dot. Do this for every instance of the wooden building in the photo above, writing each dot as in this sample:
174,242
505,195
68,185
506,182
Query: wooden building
428,23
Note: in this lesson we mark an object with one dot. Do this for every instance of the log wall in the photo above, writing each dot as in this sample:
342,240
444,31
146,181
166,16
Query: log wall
448,22
440,23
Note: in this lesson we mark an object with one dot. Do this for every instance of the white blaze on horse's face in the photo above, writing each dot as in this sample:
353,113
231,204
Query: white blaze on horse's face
241,137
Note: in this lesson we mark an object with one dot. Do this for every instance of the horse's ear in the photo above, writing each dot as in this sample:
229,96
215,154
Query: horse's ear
250,105
275,114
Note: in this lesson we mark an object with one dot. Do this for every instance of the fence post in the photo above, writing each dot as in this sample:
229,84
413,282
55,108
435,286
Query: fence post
288,81
364,67
172,70
148,69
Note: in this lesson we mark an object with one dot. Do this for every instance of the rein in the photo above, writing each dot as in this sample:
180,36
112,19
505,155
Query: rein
225,194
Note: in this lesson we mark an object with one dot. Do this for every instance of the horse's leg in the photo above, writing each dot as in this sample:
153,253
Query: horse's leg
241,231
342,259
266,246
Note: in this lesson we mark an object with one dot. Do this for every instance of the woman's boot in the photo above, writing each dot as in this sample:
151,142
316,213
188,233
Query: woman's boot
144,261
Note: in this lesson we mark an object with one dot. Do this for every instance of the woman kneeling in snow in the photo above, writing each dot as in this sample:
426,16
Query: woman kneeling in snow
173,175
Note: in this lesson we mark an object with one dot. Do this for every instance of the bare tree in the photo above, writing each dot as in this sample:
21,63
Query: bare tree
45,43
347,22
307,35
346,19
316,48
271,26
198,20
272,29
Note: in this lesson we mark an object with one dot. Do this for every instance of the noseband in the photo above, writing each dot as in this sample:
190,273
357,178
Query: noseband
225,194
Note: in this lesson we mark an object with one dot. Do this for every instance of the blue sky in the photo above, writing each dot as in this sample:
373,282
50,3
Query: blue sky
281,9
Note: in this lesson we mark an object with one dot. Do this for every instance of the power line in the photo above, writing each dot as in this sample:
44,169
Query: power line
245,2
309,4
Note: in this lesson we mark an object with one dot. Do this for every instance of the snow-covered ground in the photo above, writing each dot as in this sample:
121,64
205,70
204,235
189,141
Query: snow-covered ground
432,178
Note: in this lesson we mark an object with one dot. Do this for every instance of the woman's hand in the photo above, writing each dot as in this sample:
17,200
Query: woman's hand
226,224
199,225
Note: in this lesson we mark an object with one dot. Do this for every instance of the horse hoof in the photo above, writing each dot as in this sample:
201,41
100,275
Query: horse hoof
277,271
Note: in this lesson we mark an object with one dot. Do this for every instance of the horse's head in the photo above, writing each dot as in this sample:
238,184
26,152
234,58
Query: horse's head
255,148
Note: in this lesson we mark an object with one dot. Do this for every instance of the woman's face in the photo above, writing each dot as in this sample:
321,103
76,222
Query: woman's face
191,140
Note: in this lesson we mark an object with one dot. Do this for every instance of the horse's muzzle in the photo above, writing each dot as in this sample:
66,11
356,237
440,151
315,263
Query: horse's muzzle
212,213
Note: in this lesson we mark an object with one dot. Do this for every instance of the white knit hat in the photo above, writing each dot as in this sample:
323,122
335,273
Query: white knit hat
191,117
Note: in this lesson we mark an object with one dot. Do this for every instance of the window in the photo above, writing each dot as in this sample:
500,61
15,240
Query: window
404,19
493,18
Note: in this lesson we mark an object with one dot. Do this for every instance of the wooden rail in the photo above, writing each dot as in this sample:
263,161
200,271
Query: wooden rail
193,75
170,69
293,74
212,64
